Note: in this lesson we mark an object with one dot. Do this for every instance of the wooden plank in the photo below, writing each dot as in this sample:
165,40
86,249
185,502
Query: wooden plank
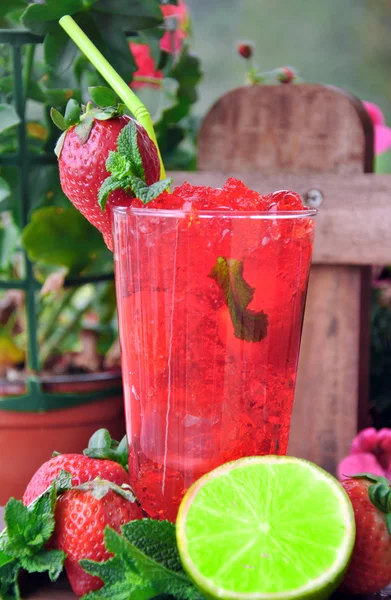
274,129
354,221
295,134
336,374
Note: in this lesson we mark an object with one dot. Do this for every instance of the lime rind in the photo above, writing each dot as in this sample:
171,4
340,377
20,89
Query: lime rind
211,512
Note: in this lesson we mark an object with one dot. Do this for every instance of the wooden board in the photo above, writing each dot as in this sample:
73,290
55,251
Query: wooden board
354,221
308,130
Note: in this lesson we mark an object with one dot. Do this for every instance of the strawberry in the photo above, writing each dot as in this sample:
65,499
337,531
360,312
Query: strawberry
370,568
81,515
89,140
83,467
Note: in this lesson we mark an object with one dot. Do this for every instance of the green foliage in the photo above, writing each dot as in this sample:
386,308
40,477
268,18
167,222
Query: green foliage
105,22
61,237
127,171
59,77
23,542
102,446
146,564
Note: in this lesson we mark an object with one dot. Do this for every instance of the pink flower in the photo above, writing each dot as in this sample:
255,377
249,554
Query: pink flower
172,42
382,132
145,66
370,453
147,74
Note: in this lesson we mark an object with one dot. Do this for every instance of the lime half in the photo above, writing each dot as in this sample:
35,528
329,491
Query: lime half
266,527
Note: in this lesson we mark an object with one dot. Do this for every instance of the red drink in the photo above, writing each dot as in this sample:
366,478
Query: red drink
210,304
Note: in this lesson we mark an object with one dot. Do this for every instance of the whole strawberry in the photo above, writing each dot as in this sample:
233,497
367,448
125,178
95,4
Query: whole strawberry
370,568
83,467
89,140
81,516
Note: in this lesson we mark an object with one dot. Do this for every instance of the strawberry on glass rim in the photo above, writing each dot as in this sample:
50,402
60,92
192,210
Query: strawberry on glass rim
105,158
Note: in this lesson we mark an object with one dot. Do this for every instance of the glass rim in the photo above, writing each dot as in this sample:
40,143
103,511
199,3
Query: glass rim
205,214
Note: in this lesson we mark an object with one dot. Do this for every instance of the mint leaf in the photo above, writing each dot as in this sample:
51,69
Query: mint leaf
156,539
128,148
45,560
248,325
102,446
146,564
9,588
72,112
147,193
102,96
109,185
121,578
117,164
23,542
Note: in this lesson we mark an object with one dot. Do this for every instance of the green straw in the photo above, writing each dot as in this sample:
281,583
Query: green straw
128,97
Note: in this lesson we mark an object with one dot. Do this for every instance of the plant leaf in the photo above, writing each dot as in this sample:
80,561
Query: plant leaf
61,237
102,96
107,31
128,148
147,193
147,576
248,325
43,18
72,112
156,539
7,6
8,117
45,560
59,50
143,14
58,119
109,185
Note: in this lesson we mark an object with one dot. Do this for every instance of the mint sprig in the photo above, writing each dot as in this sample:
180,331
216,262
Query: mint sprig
127,170
146,564
248,325
23,542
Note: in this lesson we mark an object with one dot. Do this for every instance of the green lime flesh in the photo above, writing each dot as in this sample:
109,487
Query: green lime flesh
270,527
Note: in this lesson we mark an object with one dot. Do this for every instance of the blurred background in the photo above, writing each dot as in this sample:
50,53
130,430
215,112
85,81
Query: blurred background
346,44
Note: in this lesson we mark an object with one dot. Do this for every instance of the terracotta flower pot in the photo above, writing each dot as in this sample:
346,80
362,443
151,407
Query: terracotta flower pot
28,438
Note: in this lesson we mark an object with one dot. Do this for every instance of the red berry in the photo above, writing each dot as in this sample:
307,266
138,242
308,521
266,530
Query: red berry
370,568
286,75
81,519
83,169
81,468
245,50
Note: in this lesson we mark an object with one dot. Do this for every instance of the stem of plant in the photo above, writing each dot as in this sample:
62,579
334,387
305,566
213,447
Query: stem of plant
28,67
60,334
51,321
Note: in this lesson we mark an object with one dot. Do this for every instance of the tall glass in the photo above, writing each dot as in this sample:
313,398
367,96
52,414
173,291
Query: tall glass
210,311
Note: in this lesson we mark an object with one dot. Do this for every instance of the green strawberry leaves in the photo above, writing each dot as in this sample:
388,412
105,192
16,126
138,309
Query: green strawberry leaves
23,542
248,325
101,446
83,117
127,170
103,96
146,564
